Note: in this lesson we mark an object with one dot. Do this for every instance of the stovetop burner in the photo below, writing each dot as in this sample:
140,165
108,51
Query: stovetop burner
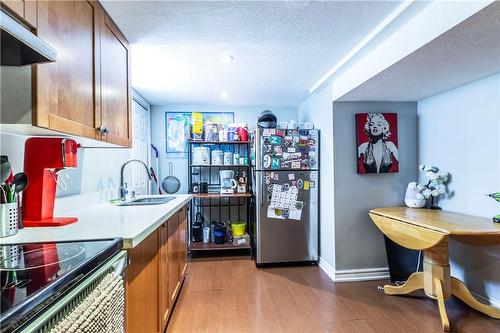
15,259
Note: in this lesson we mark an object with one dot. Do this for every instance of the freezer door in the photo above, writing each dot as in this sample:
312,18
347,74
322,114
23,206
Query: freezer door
287,149
287,216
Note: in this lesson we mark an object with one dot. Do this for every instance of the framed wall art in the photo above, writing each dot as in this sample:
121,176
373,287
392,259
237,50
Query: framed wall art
377,143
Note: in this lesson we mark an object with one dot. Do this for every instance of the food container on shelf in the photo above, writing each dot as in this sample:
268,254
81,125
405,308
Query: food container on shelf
201,156
238,228
236,159
242,131
241,240
231,132
9,222
217,157
244,160
228,158
211,132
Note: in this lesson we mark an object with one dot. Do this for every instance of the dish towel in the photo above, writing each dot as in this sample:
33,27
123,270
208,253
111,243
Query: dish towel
101,311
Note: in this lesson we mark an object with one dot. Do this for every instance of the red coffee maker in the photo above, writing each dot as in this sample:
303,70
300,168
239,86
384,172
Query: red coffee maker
43,158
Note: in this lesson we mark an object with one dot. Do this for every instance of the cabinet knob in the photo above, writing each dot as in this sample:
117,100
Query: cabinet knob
103,129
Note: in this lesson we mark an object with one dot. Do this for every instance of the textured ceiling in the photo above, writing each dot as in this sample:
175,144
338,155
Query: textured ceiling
466,53
280,48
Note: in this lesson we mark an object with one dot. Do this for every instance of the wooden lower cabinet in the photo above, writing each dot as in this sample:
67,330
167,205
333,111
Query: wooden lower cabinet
155,275
141,300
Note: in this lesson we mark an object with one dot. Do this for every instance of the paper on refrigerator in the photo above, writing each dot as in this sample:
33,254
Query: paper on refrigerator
284,204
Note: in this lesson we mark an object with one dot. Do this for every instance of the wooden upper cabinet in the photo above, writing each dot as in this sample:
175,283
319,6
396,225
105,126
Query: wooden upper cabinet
86,92
115,85
22,9
66,92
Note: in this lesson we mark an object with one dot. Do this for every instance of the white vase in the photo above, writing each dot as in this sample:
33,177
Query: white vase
411,199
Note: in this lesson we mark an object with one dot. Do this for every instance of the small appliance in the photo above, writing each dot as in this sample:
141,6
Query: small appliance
227,182
43,159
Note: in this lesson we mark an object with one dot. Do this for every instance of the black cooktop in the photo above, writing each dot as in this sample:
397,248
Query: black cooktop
35,275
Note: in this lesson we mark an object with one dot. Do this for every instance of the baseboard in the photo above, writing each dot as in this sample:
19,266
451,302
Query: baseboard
486,300
327,268
366,274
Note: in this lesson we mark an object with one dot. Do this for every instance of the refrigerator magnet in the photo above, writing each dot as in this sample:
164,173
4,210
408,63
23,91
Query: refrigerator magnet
312,162
285,187
312,184
278,150
280,132
266,132
313,176
285,213
267,161
291,176
306,185
300,183
275,163
275,140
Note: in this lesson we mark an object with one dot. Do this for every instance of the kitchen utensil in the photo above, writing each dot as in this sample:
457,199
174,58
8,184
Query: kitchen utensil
8,219
238,228
228,158
227,182
217,157
5,170
171,184
20,182
44,157
157,162
201,156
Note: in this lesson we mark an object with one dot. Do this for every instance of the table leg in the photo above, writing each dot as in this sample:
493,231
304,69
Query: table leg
460,291
445,322
414,282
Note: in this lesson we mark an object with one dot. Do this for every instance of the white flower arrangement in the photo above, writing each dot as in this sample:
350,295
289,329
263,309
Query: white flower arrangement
435,185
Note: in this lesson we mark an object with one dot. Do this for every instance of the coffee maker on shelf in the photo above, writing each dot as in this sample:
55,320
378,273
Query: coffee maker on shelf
227,182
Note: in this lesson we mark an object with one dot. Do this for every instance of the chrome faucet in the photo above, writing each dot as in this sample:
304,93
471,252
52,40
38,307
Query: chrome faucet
123,189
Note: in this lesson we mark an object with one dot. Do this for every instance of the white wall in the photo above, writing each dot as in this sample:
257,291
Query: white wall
244,114
459,131
317,108
359,243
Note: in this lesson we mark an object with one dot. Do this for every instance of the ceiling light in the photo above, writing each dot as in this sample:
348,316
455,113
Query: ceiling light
224,94
227,58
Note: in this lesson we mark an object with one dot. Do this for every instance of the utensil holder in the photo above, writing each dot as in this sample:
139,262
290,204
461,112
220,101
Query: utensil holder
8,219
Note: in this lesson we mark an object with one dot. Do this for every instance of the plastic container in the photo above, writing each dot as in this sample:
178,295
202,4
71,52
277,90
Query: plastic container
241,240
217,157
238,228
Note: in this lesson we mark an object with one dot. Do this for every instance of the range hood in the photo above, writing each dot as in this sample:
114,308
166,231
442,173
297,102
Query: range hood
20,46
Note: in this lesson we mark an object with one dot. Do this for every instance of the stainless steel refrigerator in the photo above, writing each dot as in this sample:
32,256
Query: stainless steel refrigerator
285,170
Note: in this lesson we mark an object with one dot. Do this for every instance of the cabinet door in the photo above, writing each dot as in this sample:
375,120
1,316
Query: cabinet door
164,294
142,287
66,92
173,255
115,86
183,246
22,9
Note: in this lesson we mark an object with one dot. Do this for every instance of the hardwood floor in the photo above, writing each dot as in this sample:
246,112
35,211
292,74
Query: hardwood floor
232,295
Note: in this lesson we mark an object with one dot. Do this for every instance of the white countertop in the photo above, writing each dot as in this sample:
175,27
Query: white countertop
132,223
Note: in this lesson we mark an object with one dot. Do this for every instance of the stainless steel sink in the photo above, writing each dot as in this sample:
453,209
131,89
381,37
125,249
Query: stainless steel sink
144,201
